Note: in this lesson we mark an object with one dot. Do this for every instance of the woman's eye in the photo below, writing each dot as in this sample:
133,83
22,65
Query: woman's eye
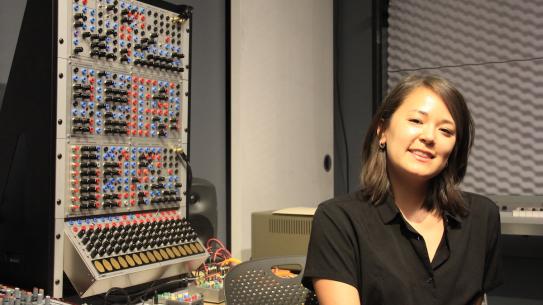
447,131
416,121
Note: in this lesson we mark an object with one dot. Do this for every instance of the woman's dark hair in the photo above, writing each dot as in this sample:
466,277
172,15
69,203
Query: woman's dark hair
444,194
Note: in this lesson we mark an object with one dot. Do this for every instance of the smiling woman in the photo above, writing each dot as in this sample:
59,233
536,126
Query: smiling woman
409,235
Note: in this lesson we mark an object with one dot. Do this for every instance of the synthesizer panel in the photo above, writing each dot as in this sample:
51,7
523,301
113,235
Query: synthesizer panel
123,95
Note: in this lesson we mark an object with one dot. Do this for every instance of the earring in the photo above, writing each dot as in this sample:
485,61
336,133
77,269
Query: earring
382,145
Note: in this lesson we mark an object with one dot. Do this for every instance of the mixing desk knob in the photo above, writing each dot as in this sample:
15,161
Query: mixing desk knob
78,16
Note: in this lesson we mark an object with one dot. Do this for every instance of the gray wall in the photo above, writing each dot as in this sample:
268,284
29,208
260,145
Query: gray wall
354,64
208,105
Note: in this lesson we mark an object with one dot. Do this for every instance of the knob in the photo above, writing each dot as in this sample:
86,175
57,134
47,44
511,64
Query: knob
81,233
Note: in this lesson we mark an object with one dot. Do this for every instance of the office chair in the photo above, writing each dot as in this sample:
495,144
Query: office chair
254,283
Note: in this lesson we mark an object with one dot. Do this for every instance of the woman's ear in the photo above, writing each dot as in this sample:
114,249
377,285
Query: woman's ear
381,131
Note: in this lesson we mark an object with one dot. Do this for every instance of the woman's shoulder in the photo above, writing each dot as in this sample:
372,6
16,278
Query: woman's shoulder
345,205
480,206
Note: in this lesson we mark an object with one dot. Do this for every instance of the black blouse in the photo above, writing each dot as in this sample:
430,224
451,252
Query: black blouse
375,250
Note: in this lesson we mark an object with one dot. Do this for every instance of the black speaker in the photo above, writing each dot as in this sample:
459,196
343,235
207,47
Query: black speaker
203,208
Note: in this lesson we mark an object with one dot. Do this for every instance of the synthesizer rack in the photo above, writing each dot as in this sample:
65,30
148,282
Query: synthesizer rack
95,126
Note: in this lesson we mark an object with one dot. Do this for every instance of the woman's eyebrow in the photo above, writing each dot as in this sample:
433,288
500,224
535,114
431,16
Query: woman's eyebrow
426,114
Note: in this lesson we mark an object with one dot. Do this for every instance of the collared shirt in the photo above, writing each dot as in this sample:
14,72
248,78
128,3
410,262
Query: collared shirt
374,249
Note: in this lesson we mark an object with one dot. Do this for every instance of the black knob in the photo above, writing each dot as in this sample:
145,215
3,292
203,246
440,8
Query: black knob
90,246
85,240
78,50
81,233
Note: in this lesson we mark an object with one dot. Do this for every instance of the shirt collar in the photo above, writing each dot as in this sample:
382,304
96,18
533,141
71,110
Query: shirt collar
452,218
388,211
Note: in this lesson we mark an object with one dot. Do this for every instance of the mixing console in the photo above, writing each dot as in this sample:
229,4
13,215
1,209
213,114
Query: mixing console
16,296
95,141
116,243
124,90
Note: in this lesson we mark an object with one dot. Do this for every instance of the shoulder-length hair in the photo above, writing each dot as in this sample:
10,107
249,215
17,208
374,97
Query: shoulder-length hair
443,193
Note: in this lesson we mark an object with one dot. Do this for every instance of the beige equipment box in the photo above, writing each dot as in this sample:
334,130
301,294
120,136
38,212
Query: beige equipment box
281,233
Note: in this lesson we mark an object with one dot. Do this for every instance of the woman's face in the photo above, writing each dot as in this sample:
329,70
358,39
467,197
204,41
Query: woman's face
420,136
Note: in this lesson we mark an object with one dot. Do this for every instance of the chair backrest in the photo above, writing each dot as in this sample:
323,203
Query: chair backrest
254,283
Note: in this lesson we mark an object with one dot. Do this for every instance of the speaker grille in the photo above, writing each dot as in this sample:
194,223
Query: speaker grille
290,226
